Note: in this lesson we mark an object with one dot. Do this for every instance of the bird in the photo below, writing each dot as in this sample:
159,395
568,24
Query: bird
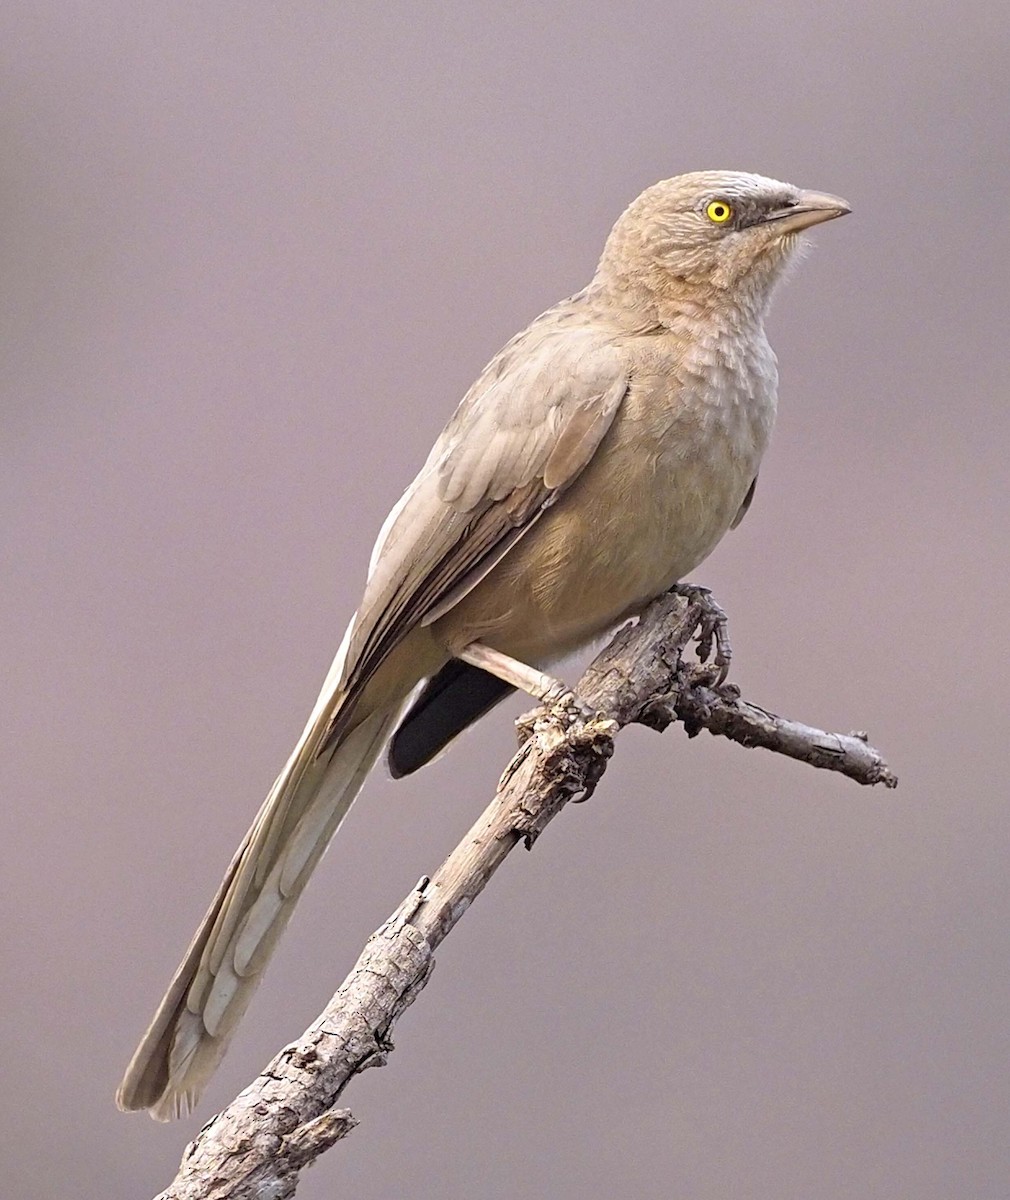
597,460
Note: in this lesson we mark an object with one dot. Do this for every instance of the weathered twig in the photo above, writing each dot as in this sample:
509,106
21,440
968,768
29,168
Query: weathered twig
285,1119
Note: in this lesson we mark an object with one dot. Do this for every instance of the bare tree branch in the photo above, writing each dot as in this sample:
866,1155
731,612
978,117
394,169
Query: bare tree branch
285,1119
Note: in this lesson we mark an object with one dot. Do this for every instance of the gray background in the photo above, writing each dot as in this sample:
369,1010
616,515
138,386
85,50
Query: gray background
252,254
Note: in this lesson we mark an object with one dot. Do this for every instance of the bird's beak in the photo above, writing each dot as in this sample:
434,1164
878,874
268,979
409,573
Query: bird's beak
811,208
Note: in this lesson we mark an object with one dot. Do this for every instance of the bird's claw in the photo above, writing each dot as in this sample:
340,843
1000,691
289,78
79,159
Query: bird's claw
561,701
574,708
713,629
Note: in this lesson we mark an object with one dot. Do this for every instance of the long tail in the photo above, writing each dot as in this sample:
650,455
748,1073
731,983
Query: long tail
224,963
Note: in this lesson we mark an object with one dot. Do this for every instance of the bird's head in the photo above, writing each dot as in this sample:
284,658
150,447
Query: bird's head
711,238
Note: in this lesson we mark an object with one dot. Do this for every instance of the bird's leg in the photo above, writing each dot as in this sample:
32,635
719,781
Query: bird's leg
714,627
545,688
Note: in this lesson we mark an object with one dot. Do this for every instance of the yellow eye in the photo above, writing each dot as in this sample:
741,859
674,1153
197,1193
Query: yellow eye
719,211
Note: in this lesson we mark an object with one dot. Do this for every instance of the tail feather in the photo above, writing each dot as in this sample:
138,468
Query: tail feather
450,701
225,960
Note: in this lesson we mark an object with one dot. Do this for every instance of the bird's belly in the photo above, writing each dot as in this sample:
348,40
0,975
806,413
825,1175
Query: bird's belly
642,515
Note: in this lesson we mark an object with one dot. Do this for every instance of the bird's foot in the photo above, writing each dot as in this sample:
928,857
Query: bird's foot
713,629
566,703
559,701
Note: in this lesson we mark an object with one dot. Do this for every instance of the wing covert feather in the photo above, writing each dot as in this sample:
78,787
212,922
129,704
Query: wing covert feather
522,434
